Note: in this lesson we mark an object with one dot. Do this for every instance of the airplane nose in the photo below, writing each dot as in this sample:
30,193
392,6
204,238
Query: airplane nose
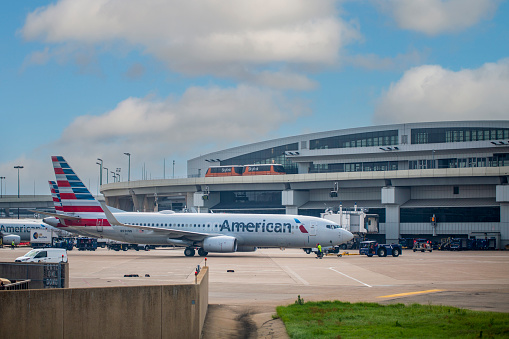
347,235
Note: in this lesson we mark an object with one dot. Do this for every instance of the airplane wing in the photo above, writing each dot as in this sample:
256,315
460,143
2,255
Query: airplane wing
169,232
56,215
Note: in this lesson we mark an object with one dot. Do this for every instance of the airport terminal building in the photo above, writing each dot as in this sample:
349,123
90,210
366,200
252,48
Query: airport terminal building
430,180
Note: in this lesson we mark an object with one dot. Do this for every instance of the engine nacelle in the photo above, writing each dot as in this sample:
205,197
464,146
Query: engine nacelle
246,248
221,243
7,239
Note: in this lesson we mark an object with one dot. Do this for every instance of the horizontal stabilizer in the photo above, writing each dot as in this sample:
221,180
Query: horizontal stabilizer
59,216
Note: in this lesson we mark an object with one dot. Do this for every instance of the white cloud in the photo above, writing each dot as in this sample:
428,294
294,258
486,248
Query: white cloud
203,36
437,16
202,117
432,93
202,120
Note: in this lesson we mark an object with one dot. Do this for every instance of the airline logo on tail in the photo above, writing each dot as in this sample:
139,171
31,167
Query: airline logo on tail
75,198
55,194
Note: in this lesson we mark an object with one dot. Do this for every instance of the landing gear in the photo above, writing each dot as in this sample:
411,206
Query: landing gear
202,252
189,252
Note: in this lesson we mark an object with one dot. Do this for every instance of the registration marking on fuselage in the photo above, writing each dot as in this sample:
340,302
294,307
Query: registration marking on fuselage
409,293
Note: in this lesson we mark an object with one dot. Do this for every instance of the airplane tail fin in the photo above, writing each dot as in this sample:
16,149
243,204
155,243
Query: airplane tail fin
55,194
75,197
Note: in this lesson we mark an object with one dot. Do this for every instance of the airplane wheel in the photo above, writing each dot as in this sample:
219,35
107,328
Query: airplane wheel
202,252
189,252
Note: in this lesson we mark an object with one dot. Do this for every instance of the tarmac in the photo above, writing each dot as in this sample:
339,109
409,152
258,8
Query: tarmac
246,288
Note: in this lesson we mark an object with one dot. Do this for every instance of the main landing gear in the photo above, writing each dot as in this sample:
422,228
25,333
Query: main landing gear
189,252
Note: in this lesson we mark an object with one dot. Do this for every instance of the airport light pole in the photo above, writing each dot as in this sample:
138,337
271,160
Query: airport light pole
101,171
107,180
1,187
129,167
18,168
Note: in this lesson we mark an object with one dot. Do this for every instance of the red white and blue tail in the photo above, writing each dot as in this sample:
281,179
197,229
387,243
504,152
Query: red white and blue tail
75,197
55,194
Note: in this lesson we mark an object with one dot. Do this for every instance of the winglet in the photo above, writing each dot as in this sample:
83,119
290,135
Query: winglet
109,216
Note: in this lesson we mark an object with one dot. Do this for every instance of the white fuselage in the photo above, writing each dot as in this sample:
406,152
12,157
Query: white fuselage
261,230
21,227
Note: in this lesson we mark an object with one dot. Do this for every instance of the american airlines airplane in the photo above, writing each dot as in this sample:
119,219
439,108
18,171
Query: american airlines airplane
206,232
19,229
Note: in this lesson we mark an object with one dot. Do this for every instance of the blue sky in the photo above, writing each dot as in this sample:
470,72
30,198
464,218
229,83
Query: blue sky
172,80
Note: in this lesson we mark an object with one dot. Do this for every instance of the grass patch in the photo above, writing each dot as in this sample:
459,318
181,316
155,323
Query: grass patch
336,319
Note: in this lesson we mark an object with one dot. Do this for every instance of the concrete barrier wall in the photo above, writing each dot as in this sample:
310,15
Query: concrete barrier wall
33,271
166,311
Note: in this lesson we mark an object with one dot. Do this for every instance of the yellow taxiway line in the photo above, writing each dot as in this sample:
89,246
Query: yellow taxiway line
409,293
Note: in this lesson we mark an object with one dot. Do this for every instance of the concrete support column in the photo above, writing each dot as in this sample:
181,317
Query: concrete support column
504,225
136,201
502,195
392,224
393,198
149,204
293,200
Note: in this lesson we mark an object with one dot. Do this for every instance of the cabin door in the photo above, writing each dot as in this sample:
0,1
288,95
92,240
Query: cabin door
312,228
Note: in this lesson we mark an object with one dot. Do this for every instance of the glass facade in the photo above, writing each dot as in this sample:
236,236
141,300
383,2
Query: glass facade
250,200
355,167
450,214
457,134
273,155
381,138
497,160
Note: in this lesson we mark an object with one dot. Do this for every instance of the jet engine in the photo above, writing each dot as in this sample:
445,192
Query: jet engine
7,239
221,243
246,248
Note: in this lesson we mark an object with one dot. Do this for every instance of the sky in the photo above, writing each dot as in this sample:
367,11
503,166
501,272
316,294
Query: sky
169,80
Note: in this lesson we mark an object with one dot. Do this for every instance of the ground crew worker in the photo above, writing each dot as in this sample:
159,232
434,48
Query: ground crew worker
319,253
12,245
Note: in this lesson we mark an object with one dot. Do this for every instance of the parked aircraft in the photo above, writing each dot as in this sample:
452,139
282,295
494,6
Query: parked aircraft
19,229
207,232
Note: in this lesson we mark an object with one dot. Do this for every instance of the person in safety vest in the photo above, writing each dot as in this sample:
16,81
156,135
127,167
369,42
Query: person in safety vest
319,252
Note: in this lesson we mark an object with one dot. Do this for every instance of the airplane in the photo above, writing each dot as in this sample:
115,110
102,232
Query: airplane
207,232
18,230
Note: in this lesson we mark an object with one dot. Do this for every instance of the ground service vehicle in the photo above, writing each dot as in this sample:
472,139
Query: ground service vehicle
422,245
371,248
42,238
86,244
51,255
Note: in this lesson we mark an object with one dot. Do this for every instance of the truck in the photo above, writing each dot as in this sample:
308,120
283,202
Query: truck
42,238
49,255
371,248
